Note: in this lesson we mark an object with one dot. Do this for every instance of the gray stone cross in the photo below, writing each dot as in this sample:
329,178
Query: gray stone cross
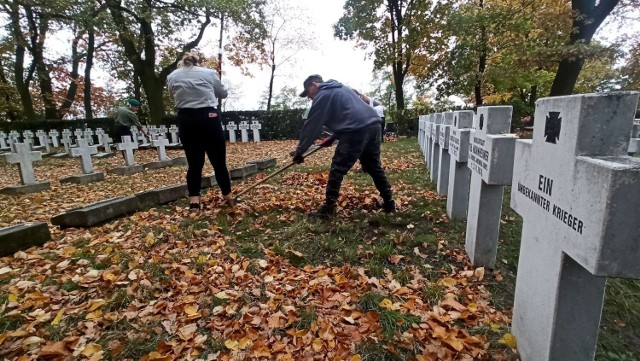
24,158
84,151
427,139
53,135
459,173
3,141
127,146
160,143
99,133
244,126
231,127
255,128
79,133
578,193
491,164
442,187
173,132
434,151
88,134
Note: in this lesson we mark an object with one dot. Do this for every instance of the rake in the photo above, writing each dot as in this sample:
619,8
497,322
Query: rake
291,164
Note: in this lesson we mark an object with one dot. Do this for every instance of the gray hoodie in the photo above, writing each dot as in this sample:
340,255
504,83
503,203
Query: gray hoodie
338,108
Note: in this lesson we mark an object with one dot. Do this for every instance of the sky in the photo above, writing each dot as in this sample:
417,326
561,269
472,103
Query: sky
332,59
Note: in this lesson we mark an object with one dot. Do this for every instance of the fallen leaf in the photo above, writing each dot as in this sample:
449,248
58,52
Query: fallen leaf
509,340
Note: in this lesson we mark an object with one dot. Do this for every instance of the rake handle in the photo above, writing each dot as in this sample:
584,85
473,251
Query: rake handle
282,169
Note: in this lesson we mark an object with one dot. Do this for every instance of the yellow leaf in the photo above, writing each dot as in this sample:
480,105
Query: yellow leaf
448,281
509,340
58,318
231,345
191,309
107,276
37,199
94,315
96,304
495,327
222,295
317,344
244,343
473,307
108,250
90,349
356,358
386,303
12,297
150,239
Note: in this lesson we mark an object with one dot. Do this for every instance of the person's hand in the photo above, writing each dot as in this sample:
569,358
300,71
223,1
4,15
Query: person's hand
297,158
327,142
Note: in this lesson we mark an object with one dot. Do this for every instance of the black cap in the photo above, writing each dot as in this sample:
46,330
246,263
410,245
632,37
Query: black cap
315,78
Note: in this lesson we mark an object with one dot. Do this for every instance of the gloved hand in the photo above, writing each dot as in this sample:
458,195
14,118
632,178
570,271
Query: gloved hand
298,158
326,142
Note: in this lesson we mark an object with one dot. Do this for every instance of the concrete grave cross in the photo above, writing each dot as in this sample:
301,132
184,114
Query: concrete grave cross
15,135
427,139
578,193
135,135
421,125
127,146
491,164
173,132
79,134
244,126
99,133
53,135
434,151
106,141
66,140
3,141
27,137
459,173
442,186
255,127
43,140
84,151
88,134
163,130
24,158
144,141
231,127
160,143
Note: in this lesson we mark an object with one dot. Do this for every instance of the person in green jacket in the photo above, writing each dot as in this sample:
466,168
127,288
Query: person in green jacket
126,118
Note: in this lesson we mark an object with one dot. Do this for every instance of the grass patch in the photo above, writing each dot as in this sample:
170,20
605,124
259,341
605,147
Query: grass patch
307,317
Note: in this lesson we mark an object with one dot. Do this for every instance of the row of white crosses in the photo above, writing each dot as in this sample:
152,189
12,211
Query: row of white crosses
578,193
244,127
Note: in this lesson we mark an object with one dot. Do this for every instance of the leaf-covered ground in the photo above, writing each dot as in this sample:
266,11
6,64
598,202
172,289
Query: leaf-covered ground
259,281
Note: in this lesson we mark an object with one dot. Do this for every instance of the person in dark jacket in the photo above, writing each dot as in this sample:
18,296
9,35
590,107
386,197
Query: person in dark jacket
357,127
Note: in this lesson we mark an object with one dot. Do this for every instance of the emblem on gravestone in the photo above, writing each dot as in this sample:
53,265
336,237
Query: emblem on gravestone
481,121
552,127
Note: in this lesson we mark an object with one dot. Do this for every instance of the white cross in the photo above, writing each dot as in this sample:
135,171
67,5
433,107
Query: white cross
24,158
53,135
443,175
578,193
160,143
231,127
459,173
255,127
434,151
84,151
173,132
127,146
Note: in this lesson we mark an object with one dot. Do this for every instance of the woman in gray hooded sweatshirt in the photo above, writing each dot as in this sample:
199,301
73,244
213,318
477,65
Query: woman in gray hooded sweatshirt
196,91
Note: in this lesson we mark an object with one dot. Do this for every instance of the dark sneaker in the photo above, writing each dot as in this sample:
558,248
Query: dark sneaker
387,207
325,212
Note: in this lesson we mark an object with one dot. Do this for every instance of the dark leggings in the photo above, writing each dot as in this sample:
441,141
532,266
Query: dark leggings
200,133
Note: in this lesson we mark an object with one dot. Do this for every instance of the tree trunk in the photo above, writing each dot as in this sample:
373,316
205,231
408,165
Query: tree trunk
22,84
73,85
88,112
273,71
482,62
587,18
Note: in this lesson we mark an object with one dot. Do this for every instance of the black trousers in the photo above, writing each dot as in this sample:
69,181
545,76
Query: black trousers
201,133
362,145
121,131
